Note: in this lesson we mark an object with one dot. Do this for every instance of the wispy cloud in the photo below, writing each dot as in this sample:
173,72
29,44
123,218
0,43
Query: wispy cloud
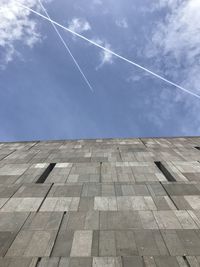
105,57
122,23
177,39
175,48
79,25
16,25
134,78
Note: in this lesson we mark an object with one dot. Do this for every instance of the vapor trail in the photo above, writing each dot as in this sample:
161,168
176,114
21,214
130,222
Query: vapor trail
67,48
109,51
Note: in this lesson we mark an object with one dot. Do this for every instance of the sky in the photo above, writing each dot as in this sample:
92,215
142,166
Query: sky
43,95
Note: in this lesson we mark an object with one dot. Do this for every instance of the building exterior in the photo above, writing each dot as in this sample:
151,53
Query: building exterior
100,203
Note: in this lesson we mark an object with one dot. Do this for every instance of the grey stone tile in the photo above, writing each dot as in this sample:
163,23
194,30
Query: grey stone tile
156,190
64,262
22,204
114,220
49,262
125,243
166,261
107,262
118,190
8,179
13,169
6,191
105,203
107,245
86,204
181,203
173,242
132,261
95,243
6,239
181,189
12,221
65,191
83,220
193,261
190,241
167,220
163,203
149,261
32,244
150,242
3,201
18,262
194,201
108,190
82,244
185,219
43,221
148,220
60,204
91,190
80,262
32,191
63,244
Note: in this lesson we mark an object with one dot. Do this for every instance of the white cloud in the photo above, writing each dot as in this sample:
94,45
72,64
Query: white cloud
79,25
16,25
134,78
177,39
105,57
122,23
175,48
166,3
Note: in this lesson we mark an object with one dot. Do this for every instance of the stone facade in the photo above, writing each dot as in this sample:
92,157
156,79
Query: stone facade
100,203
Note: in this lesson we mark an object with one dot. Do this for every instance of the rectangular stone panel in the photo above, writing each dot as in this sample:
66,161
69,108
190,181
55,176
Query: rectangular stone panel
22,205
6,239
107,262
63,244
65,191
82,244
12,221
32,244
150,242
32,190
60,204
43,221
115,220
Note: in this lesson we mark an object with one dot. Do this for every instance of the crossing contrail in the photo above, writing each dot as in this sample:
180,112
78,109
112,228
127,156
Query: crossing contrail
67,48
110,51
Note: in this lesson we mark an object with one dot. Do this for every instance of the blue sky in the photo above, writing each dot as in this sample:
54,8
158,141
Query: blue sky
43,96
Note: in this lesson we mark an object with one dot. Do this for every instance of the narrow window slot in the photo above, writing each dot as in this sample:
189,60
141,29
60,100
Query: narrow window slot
165,172
38,262
46,173
100,178
186,261
120,155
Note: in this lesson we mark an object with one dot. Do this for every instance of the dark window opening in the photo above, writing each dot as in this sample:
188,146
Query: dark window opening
165,172
46,173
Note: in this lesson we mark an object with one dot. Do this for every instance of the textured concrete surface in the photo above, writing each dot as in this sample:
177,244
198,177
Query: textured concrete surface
100,203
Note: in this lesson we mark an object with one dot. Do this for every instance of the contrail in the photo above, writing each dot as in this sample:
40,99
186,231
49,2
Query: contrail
66,46
109,51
